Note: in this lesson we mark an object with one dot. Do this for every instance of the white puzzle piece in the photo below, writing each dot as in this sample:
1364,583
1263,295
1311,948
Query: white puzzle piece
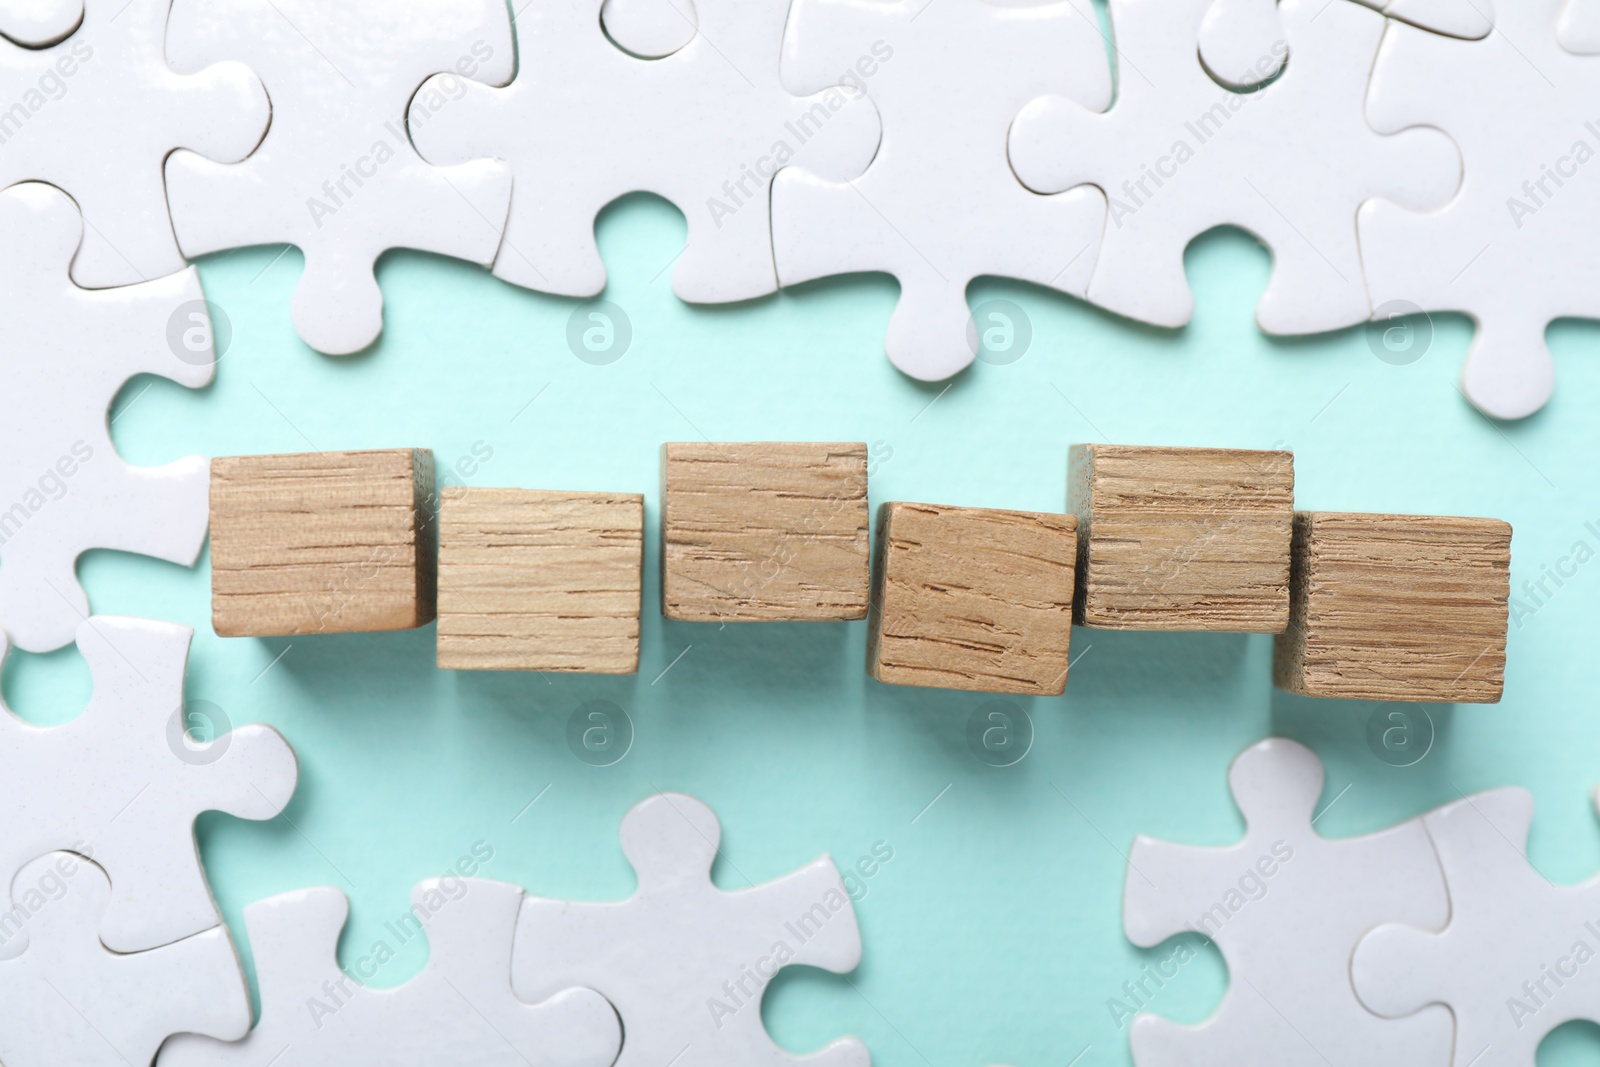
1514,249
459,1010
1240,39
68,1000
1286,907
336,175
685,963
650,29
706,128
64,354
1578,29
940,206
39,23
1517,958
123,783
96,116
1291,163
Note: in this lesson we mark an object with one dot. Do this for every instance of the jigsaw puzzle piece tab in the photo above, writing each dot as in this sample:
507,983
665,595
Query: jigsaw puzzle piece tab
124,783
1481,842
706,128
649,29
70,492
1275,785
658,955
39,23
337,175
1511,250
460,1009
911,213
1468,20
1286,908
161,889
1290,164
70,1000
1506,922
1579,27
1240,40
115,111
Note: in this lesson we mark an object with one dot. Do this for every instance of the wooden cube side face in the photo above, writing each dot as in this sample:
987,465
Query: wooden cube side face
969,598
764,531
328,542
1192,539
540,581
1394,607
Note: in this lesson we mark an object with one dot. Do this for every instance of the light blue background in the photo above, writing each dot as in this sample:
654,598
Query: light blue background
994,934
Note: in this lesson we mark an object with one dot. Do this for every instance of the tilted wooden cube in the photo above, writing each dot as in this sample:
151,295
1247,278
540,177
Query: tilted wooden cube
531,580
1397,607
1182,538
764,531
971,598
322,542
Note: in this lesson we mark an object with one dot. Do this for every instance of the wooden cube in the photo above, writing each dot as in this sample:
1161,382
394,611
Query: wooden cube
540,581
764,531
322,542
969,598
1397,607
1182,538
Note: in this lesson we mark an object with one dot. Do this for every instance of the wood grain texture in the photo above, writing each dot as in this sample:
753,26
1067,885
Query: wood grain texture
322,542
1397,607
970,598
1192,539
540,581
764,531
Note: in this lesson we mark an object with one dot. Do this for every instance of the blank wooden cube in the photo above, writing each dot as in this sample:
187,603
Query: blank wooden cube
322,542
764,531
969,598
1397,607
540,581
1182,538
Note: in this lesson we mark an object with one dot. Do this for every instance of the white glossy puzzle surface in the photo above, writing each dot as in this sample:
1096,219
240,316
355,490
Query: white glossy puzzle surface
1396,157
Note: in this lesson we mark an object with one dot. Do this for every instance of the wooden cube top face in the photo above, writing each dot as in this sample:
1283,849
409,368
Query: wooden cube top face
1193,539
1397,607
970,598
323,542
534,580
764,531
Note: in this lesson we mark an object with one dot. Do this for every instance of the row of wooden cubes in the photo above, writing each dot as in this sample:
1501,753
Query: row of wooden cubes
1365,606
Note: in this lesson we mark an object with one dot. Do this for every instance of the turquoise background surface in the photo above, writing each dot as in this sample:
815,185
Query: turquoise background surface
994,934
